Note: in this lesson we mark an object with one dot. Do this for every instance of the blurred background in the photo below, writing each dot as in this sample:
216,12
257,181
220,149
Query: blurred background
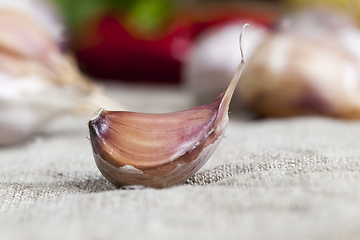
149,41
302,56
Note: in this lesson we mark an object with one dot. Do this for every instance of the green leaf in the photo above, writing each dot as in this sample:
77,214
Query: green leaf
146,14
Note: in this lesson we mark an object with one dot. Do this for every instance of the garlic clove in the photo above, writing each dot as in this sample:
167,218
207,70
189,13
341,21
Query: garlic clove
159,150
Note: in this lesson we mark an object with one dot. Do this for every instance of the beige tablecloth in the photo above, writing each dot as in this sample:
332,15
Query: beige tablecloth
296,178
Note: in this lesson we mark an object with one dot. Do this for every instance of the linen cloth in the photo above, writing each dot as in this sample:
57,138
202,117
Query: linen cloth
294,178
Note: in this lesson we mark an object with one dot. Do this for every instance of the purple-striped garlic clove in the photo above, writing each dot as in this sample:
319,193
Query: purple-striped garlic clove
159,150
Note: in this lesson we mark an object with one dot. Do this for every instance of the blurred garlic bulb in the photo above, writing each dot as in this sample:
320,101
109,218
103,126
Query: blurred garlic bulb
348,7
42,13
307,67
159,150
209,66
37,79
26,104
324,24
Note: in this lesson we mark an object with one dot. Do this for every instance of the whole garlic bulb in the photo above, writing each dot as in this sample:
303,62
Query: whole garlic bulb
27,103
37,79
209,66
297,71
42,13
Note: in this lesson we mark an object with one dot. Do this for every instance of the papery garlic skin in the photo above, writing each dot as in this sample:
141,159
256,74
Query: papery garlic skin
159,150
179,160
123,177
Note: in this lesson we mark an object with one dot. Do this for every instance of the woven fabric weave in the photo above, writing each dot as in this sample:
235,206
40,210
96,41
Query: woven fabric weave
296,178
